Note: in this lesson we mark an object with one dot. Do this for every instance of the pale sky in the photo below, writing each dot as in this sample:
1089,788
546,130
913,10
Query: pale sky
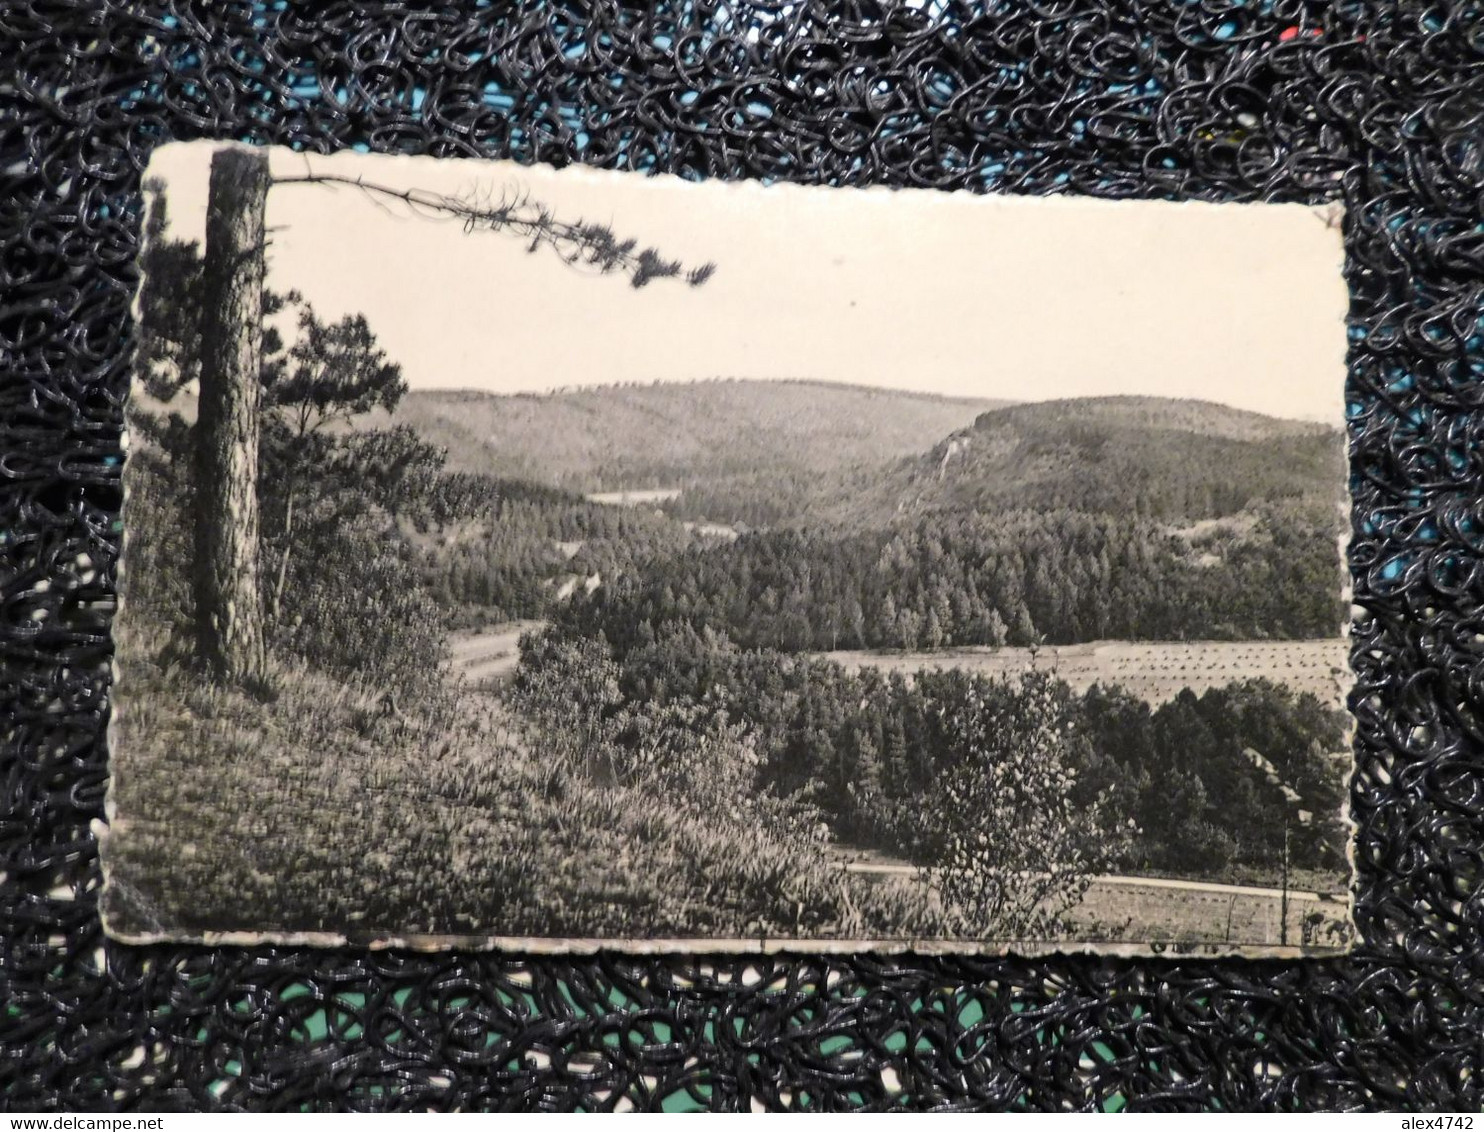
985,296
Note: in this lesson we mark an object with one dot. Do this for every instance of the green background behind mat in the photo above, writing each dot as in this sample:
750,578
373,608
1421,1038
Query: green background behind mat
1374,105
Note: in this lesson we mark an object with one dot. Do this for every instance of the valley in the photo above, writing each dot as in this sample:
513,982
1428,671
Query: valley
797,629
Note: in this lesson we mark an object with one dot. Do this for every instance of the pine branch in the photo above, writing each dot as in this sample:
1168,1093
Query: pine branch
575,242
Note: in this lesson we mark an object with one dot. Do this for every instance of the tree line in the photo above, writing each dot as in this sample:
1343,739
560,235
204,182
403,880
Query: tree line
1174,789
1017,578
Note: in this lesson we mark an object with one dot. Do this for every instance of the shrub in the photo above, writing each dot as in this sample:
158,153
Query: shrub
356,608
1008,842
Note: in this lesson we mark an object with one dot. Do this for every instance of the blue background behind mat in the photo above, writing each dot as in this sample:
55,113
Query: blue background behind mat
1378,105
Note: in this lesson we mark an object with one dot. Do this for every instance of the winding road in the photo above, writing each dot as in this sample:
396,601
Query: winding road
485,658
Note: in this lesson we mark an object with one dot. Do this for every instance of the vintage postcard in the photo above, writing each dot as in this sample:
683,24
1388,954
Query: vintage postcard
562,560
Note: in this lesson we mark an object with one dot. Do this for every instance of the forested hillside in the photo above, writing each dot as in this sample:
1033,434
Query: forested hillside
495,550
1134,519
1135,457
768,438
1016,578
1124,518
765,454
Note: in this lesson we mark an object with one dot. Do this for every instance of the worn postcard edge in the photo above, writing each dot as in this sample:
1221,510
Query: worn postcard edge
1331,215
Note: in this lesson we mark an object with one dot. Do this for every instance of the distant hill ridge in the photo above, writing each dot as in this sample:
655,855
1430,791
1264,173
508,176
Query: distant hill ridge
605,438
1208,418
647,387
1153,457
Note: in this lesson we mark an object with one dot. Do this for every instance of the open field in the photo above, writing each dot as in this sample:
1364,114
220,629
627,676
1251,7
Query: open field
1172,911
634,498
1153,671
714,530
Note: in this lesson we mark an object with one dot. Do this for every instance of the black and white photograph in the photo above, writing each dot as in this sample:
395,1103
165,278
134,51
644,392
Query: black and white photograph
562,560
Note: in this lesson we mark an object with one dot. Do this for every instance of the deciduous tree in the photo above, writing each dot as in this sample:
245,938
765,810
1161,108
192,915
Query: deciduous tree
1010,855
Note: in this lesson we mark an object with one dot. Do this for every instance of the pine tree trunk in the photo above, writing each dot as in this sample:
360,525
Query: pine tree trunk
229,609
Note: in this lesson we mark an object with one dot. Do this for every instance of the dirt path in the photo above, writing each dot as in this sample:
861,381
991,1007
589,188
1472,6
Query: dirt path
1132,908
884,867
487,657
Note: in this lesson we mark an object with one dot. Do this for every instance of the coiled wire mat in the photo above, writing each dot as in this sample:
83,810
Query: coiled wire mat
1377,105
